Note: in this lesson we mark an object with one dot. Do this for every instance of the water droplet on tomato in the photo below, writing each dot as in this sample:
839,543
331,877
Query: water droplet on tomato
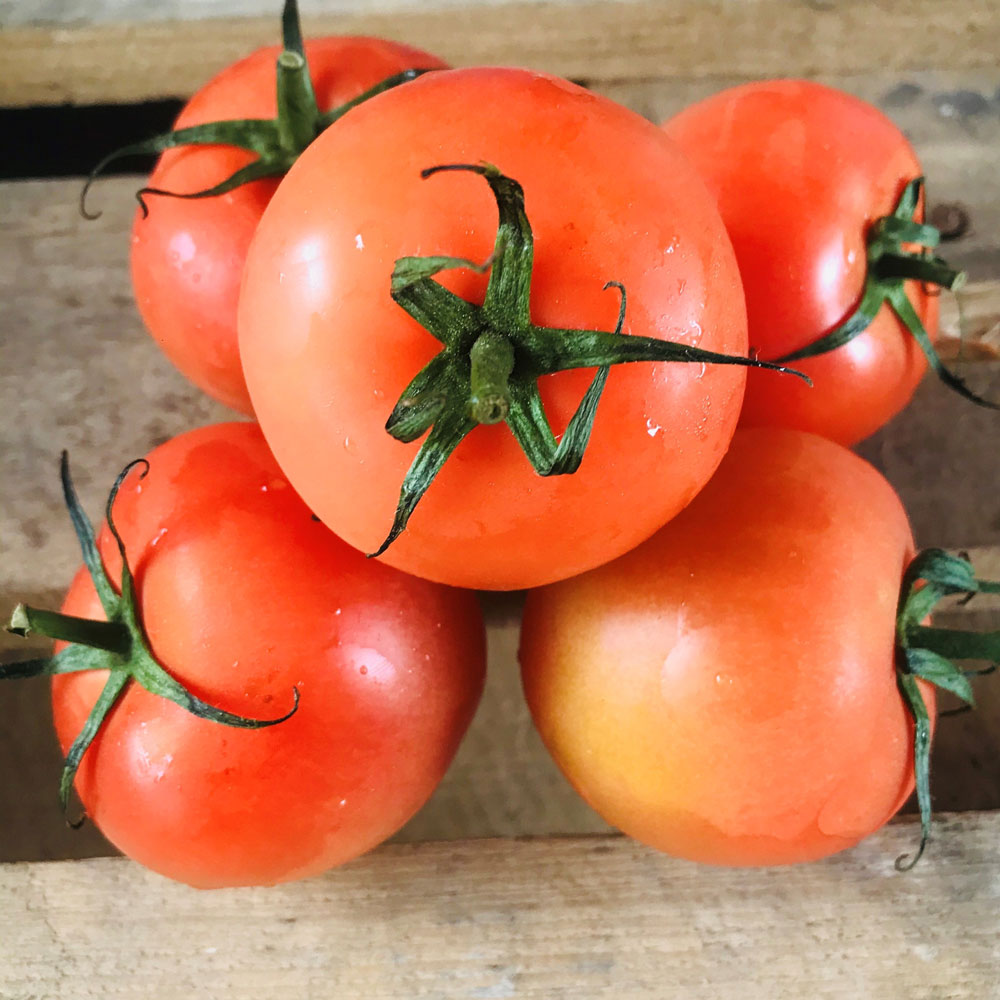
182,248
364,669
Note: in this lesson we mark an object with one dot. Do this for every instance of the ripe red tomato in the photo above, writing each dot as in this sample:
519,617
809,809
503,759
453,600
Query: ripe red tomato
245,597
801,171
327,352
187,256
727,692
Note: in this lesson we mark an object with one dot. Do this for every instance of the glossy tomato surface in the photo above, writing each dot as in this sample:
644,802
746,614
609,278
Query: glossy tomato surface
727,692
187,255
327,352
800,171
245,597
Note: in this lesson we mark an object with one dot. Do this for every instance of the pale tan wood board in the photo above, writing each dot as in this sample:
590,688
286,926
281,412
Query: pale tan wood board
554,919
591,41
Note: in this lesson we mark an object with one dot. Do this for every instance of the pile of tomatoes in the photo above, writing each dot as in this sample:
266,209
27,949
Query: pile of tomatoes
498,332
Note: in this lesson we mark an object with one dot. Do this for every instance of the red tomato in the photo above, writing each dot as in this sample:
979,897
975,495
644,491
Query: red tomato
327,352
187,256
727,691
801,171
244,597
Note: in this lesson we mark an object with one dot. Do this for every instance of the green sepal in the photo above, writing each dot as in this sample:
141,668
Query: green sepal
954,644
530,425
88,544
423,400
73,659
113,689
256,135
451,426
921,764
546,351
872,300
903,308
493,355
927,652
327,118
446,316
117,645
939,671
890,266
256,171
277,142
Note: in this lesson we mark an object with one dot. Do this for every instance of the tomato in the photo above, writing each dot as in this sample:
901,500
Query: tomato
187,255
727,692
326,351
245,598
801,171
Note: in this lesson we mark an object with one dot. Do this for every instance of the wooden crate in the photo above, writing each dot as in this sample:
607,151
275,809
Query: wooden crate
576,911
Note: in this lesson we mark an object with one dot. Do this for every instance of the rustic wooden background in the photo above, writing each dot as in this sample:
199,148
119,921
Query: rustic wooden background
77,371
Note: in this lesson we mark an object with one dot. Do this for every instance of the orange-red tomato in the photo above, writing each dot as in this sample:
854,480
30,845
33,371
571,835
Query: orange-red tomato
244,597
727,691
800,171
326,351
187,255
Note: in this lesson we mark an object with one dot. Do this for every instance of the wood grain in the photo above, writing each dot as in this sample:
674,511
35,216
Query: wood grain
78,371
552,920
593,41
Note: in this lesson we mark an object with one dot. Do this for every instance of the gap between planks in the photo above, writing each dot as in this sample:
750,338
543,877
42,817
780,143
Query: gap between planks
116,63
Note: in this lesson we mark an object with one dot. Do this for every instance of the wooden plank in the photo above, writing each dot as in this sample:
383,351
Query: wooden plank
590,40
78,371
970,323
553,920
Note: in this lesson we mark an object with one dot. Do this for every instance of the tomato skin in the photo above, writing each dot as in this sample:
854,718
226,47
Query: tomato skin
800,171
244,597
327,352
187,256
726,692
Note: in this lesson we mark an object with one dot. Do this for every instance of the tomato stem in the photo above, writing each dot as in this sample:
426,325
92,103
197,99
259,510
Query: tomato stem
915,267
298,114
275,142
492,361
114,637
493,355
928,653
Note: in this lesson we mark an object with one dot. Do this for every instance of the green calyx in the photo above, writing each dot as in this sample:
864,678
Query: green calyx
890,266
117,645
277,142
493,355
928,653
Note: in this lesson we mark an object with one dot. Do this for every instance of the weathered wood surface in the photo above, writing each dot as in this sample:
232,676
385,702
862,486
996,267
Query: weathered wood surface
569,919
78,371
596,41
